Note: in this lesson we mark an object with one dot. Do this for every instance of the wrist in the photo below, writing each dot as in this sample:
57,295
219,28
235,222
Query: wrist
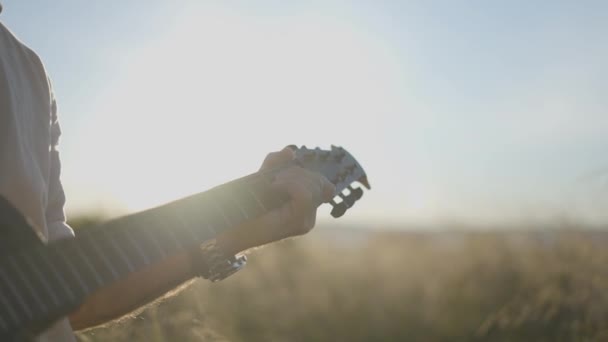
211,262
230,244
238,240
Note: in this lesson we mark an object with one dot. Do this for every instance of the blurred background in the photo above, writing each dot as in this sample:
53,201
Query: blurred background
482,126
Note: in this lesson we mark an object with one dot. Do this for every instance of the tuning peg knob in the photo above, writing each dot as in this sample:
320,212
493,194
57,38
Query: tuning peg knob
357,193
349,200
339,209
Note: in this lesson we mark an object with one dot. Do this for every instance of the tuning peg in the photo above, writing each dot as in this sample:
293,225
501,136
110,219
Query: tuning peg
293,147
357,193
339,209
349,200
308,155
321,154
339,156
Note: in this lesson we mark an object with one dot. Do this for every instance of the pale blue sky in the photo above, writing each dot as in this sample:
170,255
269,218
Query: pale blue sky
468,111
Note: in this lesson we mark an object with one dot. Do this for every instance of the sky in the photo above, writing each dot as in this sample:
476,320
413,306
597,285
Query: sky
462,112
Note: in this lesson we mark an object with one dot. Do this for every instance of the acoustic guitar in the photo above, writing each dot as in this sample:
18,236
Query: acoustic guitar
40,283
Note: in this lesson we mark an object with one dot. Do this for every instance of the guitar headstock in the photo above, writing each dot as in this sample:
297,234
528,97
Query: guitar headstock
340,168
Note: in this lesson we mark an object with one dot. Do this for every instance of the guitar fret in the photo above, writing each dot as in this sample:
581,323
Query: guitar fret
102,256
43,280
75,272
137,246
139,235
176,233
192,234
198,217
8,305
242,210
212,229
118,249
231,217
88,263
178,244
230,196
248,188
179,217
16,294
56,274
223,214
264,197
27,283
152,238
248,202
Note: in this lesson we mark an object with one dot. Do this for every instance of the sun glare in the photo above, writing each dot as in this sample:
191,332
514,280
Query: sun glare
204,102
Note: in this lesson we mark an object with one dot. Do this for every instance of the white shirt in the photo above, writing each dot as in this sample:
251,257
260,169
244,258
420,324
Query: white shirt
29,160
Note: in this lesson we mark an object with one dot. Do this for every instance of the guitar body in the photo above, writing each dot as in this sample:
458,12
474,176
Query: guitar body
40,283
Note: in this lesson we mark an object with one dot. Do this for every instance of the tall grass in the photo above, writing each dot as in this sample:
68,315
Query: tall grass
394,287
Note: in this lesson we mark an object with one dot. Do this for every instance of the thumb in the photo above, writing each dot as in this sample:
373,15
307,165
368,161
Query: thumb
277,159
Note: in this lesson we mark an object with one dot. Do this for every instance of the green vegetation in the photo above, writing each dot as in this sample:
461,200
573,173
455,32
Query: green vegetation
392,286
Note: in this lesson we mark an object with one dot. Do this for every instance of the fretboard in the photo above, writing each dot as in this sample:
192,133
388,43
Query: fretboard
42,283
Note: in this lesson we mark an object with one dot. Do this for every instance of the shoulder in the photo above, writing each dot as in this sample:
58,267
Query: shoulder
16,55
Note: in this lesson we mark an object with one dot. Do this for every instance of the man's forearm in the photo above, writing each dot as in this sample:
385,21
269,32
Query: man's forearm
295,217
132,292
142,287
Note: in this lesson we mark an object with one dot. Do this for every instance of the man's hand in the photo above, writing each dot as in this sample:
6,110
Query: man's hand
306,189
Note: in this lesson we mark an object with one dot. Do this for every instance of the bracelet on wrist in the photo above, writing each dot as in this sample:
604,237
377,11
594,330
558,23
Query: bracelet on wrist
210,262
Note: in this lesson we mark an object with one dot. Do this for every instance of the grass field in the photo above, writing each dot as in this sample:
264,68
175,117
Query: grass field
336,285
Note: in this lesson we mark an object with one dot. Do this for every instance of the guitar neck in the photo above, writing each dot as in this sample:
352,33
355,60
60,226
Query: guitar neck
50,281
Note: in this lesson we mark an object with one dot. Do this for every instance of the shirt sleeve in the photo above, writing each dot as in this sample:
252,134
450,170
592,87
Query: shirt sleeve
55,214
